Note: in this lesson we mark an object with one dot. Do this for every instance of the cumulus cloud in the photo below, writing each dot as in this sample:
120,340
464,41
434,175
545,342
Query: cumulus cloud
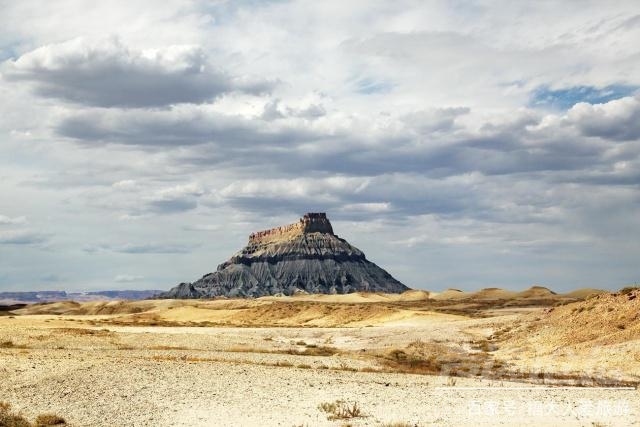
107,73
617,120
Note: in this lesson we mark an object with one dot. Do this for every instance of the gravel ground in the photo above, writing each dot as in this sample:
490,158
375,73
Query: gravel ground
122,377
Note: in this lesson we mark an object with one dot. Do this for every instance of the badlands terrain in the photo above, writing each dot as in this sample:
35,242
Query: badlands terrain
492,357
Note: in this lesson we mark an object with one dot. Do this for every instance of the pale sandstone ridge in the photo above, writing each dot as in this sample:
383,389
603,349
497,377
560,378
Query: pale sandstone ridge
309,223
304,257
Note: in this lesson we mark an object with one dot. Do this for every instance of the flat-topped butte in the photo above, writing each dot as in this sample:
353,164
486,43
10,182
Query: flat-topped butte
305,256
312,222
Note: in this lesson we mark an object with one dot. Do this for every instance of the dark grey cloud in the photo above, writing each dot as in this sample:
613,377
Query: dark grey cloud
22,237
429,143
109,74
177,127
391,197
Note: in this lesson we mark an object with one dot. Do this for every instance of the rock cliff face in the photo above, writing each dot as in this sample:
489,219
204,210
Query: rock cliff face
302,257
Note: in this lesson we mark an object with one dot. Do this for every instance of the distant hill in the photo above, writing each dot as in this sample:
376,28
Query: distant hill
7,298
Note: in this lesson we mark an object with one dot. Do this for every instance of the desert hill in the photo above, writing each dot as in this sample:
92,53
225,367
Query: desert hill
303,309
603,319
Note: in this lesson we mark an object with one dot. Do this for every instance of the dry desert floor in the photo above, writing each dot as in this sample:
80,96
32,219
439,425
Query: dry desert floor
362,360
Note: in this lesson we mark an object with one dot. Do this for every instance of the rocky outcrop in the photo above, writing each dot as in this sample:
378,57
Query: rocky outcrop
302,257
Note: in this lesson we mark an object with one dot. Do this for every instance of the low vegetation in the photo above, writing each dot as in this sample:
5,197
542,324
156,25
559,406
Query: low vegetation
8,418
341,410
309,350
11,344
629,290
398,424
430,358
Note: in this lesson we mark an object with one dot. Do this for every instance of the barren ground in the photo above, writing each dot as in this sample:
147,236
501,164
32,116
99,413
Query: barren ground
157,363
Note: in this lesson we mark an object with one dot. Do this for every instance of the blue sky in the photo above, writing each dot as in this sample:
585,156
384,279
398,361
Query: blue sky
457,144
563,99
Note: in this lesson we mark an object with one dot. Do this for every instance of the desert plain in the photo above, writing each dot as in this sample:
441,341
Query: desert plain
491,357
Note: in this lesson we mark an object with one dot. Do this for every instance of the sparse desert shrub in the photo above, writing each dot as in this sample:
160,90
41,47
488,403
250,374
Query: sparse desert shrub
167,347
11,419
483,345
398,424
49,420
308,351
430,358
341,410
316,351
629,289
11,344
344,366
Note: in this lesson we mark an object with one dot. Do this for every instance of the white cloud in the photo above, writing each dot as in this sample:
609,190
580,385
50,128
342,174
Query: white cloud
12,221
617,120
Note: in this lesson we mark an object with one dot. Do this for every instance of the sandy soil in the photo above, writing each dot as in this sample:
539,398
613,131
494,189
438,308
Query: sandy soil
96,370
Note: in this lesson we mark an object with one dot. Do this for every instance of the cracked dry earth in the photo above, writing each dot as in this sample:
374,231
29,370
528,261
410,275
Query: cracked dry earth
189,376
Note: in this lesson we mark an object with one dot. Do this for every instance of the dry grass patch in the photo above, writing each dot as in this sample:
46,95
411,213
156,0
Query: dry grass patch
11,344
430,358
315,350
9,418
398,424
167,347
84,332
49,420
341,410
310,350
